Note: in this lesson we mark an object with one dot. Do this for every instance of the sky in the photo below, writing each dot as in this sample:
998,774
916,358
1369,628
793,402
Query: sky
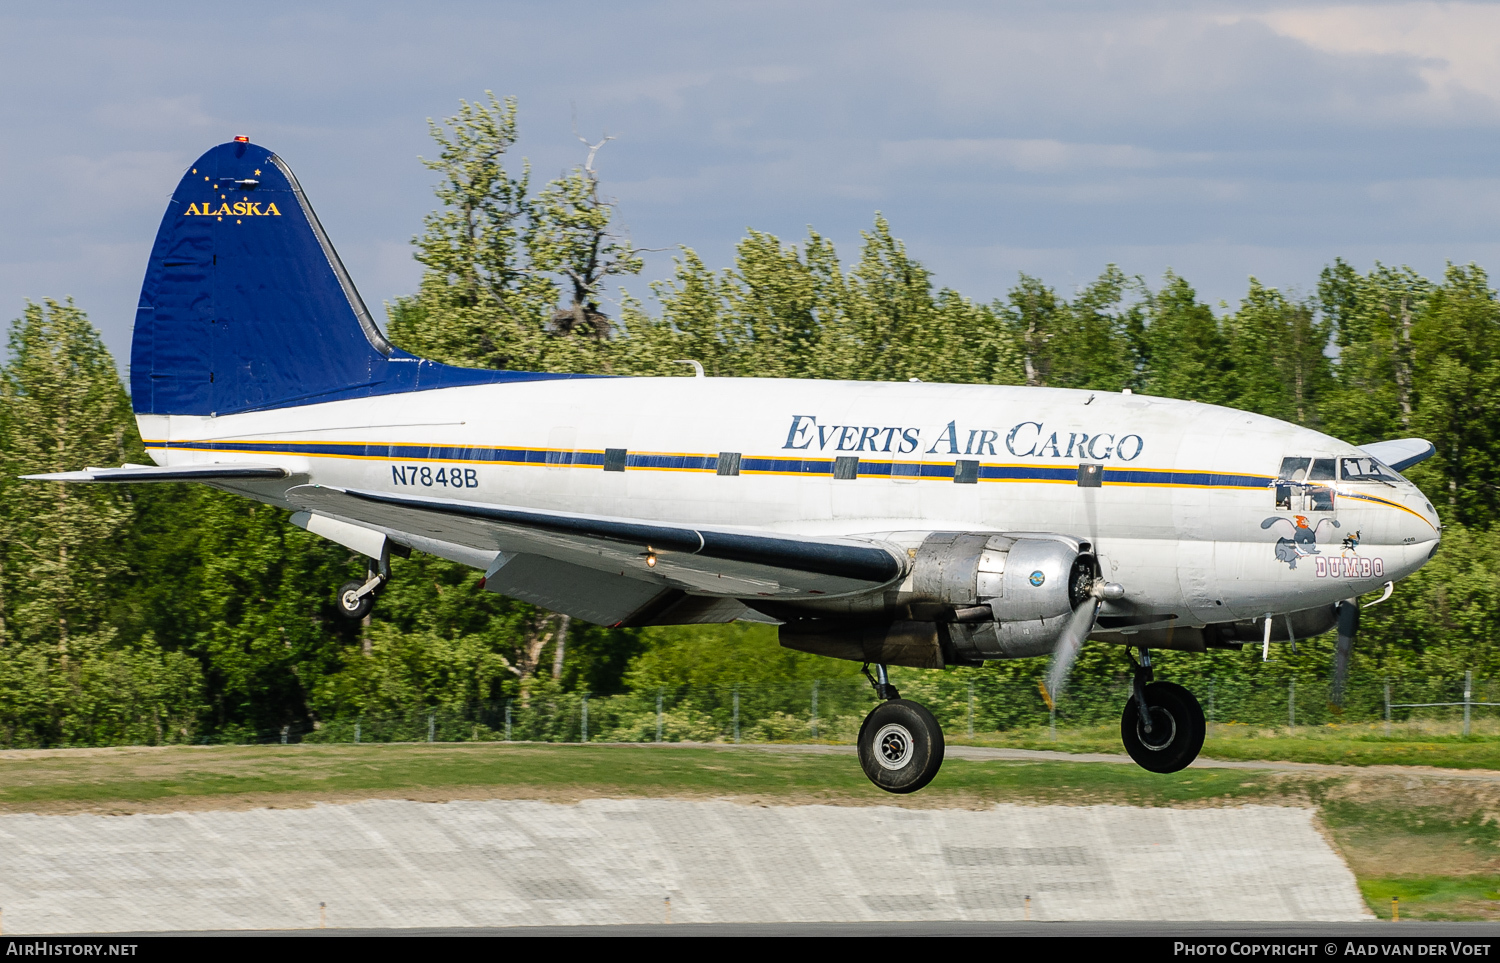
1218,140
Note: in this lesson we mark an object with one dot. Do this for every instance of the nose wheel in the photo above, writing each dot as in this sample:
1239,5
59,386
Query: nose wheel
900,746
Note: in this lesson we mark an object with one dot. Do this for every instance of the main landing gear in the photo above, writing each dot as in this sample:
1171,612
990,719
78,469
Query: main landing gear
900,743
1163,725
355,599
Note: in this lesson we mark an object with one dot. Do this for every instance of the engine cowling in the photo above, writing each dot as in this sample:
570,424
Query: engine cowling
1020,577
970,596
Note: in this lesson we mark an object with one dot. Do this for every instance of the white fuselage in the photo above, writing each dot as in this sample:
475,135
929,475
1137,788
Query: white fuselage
1181,520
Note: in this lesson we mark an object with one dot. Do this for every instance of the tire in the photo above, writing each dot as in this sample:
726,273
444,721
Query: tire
1175,740
900,746
350,607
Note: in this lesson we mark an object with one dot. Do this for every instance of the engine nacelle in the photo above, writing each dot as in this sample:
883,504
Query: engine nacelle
1020,577
969,597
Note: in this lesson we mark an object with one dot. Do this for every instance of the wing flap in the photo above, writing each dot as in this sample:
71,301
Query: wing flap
604,598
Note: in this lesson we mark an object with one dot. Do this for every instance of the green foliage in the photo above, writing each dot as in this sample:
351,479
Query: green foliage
182,613
66,674
492,252
789,312
1276,346
571,238
1184,351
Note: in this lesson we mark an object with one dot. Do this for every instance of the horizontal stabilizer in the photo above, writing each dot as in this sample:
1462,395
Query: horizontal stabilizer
1401,453
173,473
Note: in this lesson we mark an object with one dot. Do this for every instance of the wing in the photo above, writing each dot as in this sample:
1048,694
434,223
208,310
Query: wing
1400,453
175,473
641,565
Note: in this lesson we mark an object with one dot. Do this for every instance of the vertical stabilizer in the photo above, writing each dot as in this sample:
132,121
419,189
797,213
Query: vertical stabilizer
247,306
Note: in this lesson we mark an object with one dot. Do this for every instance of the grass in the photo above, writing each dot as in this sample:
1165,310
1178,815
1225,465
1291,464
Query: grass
1439,745
1434,897
1435,843
128,779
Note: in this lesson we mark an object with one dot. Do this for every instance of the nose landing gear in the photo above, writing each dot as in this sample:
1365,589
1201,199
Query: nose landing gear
900,743
1163,725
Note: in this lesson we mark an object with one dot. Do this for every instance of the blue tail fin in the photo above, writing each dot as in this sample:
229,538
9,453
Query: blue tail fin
246,305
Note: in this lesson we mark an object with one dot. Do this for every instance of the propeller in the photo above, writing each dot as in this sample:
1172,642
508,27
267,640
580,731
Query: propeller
1079,625
1347,612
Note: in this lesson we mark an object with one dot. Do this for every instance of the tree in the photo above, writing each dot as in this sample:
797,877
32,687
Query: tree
1457,366
488,298
480,302
1277,349
1085,344
64,408
1373,317
66,677
1184,351
572,237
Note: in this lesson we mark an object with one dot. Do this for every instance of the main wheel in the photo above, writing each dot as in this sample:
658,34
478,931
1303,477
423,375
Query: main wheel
1177,728
900,746
350,604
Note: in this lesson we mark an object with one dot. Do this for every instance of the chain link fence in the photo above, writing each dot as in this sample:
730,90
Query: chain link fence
968,705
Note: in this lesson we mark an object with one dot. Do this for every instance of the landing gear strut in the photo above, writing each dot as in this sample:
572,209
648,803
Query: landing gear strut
1163,725
900,743
355,599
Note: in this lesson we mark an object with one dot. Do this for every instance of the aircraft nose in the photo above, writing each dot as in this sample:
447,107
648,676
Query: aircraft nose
1422,526
1421,505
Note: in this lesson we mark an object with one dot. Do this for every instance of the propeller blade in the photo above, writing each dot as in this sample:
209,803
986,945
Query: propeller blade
1348,616
1080,624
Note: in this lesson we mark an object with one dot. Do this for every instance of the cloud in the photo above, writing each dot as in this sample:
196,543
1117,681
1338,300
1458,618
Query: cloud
1082,132
159,114
1455,46
1036,155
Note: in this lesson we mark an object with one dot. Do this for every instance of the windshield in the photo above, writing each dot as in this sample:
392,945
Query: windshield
1365,469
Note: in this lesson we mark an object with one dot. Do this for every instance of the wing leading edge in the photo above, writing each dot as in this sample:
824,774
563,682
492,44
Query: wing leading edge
695,560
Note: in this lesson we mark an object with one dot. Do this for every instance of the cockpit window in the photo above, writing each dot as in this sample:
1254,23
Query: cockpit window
1303,484
1365,469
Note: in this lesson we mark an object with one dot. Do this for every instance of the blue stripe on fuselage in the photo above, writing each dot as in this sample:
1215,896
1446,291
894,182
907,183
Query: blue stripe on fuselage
749,464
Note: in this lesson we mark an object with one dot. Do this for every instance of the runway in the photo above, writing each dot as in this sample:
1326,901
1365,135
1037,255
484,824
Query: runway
1376,931
474,866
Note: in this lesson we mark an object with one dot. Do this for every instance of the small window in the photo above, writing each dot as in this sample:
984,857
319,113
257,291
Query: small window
729,463
614,459
1365,469
1090,476
846,467
1302,485
1294,469
966,472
